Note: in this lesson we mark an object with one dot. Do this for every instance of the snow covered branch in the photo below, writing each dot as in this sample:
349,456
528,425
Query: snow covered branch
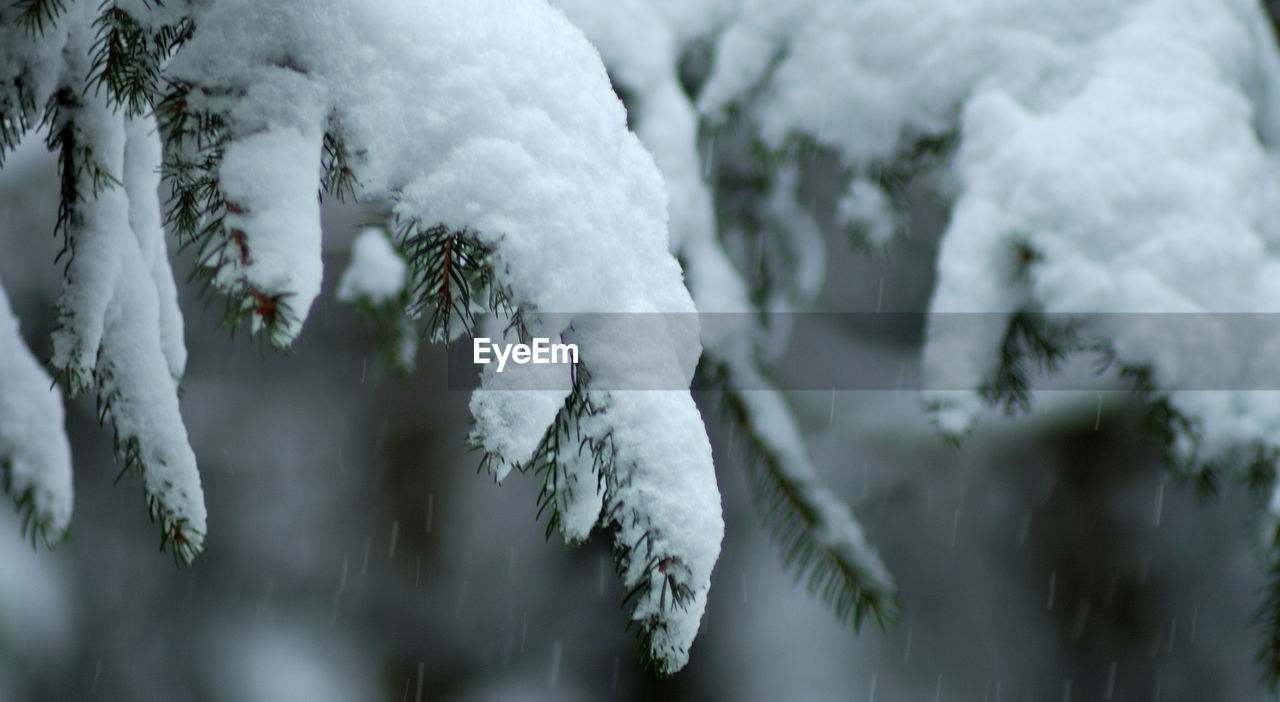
34,455
1058,115
643,44
515,185
818,534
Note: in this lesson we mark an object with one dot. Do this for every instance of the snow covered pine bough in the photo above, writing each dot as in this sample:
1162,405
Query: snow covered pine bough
516,189
519,195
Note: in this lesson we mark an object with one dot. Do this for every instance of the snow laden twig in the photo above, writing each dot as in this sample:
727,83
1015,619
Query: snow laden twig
37,16
819,537
643,47
30,65
598,466
593,472
35,460
119,326
491,128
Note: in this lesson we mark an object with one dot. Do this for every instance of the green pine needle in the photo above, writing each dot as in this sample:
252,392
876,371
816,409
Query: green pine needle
38,16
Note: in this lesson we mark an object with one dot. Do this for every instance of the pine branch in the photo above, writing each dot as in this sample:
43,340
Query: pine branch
127,57
81,177
339,179
670,577
185,543
18,112
193,145
804,518
38,16
658,581
451,280
1033,344
387,309
98,341
77,164
563,443
198,212
1178,437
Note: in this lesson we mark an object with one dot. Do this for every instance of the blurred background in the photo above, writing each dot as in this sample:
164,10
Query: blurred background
354,552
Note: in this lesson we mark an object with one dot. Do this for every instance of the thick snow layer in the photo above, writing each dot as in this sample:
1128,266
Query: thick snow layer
376,274
522,144
1129,144
34,455
270,177
506,141
141,181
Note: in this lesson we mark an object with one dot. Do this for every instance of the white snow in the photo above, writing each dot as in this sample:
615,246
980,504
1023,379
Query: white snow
34,454
579,493
376,273
866,208
141,181
513,409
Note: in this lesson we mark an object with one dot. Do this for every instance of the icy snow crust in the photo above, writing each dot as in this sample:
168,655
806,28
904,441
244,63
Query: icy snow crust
494,117
1130,144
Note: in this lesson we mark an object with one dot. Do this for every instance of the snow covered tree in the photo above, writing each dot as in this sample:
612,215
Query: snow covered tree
518,202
